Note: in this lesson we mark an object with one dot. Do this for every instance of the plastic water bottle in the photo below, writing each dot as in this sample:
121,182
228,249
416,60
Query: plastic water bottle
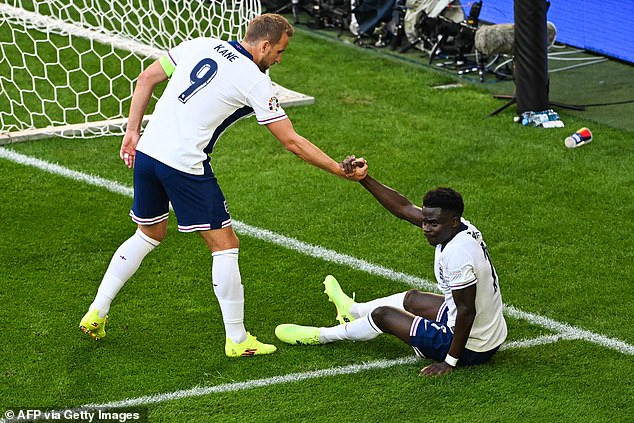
582,137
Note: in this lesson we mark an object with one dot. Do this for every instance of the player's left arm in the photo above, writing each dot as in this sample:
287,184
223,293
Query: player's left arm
147,80
283,130
466,312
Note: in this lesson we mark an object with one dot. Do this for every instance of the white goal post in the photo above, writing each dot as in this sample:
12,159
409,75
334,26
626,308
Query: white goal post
67,67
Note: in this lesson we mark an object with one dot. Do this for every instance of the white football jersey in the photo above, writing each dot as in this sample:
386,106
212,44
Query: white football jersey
465,261
213,84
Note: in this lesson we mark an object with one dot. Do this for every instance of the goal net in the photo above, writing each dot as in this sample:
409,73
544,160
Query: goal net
67,67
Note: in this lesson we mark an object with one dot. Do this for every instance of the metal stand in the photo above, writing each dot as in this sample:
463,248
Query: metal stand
512,100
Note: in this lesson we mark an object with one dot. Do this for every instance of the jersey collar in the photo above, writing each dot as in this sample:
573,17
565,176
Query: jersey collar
462,228
241,49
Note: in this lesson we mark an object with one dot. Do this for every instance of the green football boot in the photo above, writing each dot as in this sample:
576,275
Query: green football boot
340,299
93,325
248,348
297,335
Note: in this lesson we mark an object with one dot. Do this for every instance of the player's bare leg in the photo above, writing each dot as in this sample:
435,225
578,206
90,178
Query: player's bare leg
394,321
423,304
220,239
157,231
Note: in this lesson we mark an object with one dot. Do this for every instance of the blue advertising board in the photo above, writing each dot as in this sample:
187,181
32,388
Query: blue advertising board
601,26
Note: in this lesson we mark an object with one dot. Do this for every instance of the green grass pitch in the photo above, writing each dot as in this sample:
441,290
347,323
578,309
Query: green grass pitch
558,223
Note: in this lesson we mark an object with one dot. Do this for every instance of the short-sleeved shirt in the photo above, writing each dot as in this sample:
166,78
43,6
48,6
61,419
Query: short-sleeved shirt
213,84
465,261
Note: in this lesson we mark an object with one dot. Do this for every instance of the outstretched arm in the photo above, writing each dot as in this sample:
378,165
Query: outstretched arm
393,201
283,130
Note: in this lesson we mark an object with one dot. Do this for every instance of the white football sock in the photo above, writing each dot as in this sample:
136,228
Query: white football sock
227,283
125,262
362,329
361,309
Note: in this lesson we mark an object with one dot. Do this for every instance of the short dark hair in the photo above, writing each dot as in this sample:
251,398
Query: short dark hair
444,198
270,27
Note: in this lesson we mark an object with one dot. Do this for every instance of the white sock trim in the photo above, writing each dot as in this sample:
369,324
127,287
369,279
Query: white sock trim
225,252
154,243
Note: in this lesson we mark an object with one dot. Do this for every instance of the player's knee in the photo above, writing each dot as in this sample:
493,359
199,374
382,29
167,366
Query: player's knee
157,232
411,299
224,243
235,241
381,315
220,239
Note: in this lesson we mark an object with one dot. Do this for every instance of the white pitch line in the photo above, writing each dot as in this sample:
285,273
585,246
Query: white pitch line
528,343
199,391
568,331
296,377
257,383
564,330
332,256
56,169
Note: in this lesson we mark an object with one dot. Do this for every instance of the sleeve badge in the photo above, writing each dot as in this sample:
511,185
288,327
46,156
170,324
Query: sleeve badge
274,104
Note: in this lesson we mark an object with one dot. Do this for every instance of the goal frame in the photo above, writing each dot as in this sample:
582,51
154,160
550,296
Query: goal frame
116,125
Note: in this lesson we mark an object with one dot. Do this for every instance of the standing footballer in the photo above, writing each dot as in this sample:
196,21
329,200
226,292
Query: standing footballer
212,84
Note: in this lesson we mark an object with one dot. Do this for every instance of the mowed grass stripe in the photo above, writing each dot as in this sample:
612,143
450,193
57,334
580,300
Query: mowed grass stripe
564,329
198,391
296,377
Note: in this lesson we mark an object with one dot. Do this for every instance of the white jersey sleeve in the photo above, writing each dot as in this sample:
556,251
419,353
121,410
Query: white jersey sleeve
173,56
265,103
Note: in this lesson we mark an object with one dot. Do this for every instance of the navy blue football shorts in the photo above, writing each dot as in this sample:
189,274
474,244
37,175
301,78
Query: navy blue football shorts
197,200
431,339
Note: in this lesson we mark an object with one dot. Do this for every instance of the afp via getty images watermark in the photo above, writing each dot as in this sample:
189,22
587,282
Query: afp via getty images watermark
88,415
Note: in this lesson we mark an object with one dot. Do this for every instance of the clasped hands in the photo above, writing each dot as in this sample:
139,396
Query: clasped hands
354,168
